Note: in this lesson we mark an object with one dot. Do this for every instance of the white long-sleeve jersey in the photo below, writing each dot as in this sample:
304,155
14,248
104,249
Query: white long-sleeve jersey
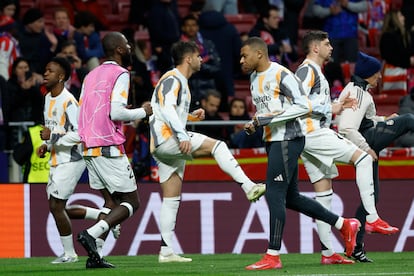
349,121
317,90
60,115
170,105
279,100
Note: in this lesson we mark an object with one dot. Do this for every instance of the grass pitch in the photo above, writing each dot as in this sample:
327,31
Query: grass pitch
385,263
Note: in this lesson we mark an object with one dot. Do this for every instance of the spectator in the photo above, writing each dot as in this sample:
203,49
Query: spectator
62,29
223,6
335,77
211,103
143,72
9,46
74,83
138,13
37,44
88,43
406,106
34,168
25,97
291,19
407,9
204,79
9,8
371,21
279,46
310,20
4,107
196,8
253,6
164,30
24,91
341,23
215,27
396,39
92,6
237,137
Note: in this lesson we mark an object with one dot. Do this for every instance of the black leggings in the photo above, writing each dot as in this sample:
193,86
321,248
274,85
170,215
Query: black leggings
282,189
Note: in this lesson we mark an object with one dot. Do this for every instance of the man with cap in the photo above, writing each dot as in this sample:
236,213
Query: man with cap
37,44
369,131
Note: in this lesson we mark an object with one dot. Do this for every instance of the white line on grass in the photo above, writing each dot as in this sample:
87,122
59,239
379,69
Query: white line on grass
358,274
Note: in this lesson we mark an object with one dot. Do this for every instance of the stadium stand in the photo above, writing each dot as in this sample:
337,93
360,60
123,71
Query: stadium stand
243,22
117,13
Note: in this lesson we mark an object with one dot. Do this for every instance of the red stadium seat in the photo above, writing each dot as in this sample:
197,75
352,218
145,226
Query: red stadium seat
243,22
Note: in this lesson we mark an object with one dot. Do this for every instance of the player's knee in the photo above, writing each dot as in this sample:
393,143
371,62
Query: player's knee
56,205
364,160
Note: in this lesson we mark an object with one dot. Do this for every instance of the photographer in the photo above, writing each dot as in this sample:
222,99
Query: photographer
26,99
74,83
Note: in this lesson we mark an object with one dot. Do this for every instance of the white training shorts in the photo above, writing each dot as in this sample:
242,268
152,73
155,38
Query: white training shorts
63,179
171,160
113,173
324,147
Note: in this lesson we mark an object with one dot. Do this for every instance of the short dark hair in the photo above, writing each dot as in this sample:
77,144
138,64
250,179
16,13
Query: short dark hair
256,43
64,64
265,11
188,17
68,43
181,48
212,92
311,36
83,19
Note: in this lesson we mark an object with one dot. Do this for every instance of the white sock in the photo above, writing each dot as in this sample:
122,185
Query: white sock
98,229
168,217
324,229
339,223
67,242
272,252
99,246
229,165
365,184
92,213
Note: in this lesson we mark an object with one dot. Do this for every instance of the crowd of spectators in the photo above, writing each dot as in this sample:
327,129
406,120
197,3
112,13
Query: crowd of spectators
73,30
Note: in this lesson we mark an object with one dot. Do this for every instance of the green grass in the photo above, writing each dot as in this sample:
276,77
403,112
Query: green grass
386,263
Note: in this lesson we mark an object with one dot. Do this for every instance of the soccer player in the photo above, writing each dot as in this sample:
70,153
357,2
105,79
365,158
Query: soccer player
370,132
319,157
103,107
60,137
280,100
172,145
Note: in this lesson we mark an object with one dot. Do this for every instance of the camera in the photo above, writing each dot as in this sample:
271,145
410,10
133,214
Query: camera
71,59
28,74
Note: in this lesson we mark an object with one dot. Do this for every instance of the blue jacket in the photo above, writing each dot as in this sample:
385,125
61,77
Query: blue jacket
342,25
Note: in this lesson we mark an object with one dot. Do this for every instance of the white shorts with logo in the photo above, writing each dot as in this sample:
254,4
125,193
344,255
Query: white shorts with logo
63,179
171,160
113,173
323,147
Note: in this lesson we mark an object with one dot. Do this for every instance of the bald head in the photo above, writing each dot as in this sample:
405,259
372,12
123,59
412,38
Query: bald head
111,41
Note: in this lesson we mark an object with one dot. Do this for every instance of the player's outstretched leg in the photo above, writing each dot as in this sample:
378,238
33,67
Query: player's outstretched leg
229,165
